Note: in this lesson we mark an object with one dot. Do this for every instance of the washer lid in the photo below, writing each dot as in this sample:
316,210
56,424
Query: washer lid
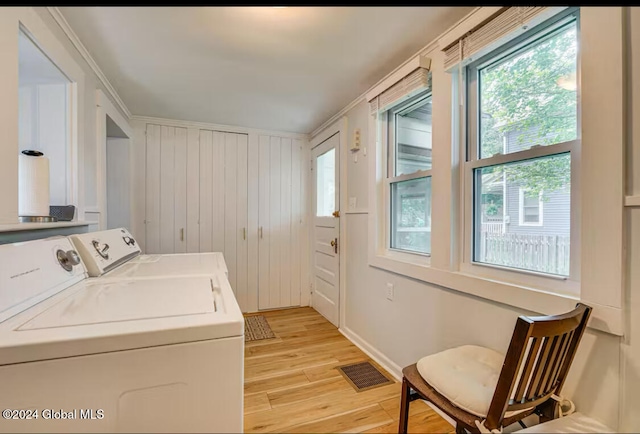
125,300
184,264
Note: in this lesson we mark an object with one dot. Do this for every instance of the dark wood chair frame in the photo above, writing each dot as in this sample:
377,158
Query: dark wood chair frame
541,347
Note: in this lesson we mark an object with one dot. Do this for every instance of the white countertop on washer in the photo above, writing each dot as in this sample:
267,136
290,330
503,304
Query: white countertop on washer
17,227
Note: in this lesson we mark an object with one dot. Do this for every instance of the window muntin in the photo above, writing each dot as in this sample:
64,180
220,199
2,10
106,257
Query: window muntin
520,140
409,146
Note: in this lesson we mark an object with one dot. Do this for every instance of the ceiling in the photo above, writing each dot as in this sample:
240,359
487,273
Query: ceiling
286,69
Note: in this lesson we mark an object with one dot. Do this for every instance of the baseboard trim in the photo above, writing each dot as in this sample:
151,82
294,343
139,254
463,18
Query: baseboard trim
385,362
372,352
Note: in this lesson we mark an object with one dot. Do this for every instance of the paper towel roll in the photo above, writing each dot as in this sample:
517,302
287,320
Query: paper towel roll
33,184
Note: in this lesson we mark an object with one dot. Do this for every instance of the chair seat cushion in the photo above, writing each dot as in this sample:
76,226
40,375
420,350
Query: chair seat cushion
467,376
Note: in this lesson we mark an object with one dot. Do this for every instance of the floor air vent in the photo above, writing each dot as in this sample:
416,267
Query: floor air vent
363,376
256,328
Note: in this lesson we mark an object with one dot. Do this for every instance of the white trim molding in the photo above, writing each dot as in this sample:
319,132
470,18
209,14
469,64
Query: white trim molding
632,201
105,108
217,127
66,28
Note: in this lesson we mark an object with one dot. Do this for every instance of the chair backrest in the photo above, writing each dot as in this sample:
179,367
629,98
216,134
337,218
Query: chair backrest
537,361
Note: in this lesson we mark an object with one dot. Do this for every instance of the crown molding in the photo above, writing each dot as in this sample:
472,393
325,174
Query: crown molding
66,28
217,127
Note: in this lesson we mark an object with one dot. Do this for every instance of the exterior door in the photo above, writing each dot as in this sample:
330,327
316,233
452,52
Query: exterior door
326,229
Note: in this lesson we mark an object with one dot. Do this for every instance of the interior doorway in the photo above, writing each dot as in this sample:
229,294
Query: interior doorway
118,177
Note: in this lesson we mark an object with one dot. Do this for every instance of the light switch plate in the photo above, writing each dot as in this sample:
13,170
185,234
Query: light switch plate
390,291
353,202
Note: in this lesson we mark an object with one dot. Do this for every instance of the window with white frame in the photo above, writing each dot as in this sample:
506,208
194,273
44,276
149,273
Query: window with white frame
530,210
409,148
522,143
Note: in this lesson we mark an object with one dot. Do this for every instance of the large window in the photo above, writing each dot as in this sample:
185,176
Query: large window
522,139
409,175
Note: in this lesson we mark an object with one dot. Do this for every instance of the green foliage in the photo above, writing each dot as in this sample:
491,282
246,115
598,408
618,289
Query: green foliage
521,95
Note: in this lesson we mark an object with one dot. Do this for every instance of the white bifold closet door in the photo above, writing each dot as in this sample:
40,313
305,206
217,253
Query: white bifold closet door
223,208
166,189
212,191
280,216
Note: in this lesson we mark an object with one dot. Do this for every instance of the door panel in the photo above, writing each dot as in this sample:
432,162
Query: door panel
285,223
206,190
242,217
326,260
264,229
296,222
218,189
180,191
230,202
152,188
193,190
167,196
276,231
253,205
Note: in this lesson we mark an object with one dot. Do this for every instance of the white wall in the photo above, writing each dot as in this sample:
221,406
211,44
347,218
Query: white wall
423,319
118,183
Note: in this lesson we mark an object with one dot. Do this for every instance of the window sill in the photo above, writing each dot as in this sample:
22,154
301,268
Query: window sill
604,318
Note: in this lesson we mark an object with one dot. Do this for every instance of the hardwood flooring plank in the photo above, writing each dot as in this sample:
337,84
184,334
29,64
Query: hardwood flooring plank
291,383
256,402
307,391
353,421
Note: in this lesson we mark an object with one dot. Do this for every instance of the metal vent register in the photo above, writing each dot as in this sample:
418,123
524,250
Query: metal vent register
363,376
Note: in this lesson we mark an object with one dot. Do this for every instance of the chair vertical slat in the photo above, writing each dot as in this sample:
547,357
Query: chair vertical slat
564,355
526,372
548,366
555,366
539,369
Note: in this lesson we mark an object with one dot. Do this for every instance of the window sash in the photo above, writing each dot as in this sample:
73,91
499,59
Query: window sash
470,155
391,222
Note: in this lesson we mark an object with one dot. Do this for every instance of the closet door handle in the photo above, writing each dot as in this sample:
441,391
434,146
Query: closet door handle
244,233
260,231
181,234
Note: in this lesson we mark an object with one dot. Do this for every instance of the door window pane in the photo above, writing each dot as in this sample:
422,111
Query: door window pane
326,184
529,98
413,138
522,214
411,215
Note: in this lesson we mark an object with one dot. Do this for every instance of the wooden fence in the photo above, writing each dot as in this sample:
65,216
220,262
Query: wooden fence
544,253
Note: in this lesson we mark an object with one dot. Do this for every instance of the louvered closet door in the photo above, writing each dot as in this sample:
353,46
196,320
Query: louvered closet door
166,185
223,207
279,220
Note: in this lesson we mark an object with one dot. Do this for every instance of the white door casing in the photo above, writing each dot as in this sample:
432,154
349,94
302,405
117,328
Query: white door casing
325,297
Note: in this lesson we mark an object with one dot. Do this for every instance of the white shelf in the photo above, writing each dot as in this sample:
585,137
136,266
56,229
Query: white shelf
18,227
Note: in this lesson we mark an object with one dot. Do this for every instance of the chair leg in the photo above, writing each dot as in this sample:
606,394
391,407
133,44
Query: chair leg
460,429
404,407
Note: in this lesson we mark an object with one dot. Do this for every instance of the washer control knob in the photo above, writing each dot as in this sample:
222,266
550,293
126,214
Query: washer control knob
102,249
129,241
67,259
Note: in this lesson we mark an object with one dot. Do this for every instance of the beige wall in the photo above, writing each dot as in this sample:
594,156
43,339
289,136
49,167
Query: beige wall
422,319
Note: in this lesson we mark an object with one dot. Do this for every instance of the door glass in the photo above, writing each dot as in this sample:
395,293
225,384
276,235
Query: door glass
326,184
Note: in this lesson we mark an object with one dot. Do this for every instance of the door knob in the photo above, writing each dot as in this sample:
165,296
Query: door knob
334,244
336,213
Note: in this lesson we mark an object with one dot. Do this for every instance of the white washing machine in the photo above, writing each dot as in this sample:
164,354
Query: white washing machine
115,253
114,355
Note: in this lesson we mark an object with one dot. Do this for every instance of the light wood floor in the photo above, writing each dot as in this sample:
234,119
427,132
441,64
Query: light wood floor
291,384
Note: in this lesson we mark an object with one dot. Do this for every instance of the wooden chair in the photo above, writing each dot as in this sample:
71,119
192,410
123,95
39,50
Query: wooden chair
532,374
